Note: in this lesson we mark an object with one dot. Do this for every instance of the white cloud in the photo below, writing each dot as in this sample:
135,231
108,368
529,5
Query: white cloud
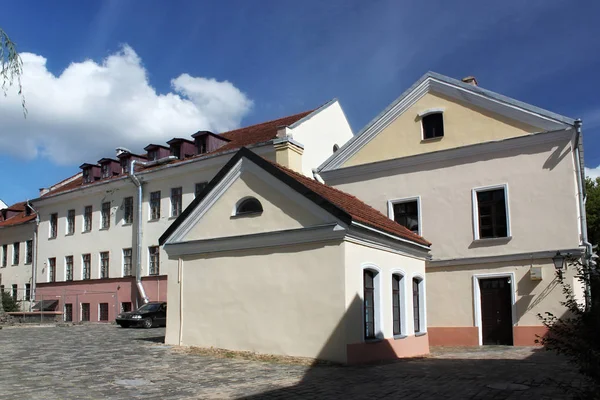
91,108
592,172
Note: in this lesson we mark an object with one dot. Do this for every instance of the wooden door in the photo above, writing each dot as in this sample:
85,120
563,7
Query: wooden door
496,311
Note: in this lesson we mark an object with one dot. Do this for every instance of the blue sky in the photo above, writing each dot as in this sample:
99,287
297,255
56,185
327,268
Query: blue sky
266,59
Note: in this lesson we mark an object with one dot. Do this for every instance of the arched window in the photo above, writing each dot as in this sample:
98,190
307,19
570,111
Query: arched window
371,304
249,205
433,125
398,304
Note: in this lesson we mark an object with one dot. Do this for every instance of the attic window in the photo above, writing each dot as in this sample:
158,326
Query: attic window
87,178
176,150
201,144
248,206
153,155
125,165
106,172
433,125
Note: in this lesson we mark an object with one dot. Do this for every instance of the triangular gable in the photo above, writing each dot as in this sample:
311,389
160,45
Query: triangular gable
453,89
251,174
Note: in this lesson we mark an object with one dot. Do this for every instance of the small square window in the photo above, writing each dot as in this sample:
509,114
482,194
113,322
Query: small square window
491,216
433,126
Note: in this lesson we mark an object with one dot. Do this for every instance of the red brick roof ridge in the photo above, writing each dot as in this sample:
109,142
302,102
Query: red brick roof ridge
407,234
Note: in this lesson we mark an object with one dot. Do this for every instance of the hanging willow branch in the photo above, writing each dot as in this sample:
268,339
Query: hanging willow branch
11,67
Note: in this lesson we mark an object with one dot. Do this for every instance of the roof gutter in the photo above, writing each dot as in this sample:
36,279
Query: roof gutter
138,224
589,252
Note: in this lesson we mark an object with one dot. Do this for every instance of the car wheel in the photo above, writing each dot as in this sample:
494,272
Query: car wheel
147,323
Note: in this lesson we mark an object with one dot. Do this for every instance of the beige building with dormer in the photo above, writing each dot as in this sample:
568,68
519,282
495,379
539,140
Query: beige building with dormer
495,184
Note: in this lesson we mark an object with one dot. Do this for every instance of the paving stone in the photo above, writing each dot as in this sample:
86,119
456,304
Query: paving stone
104,361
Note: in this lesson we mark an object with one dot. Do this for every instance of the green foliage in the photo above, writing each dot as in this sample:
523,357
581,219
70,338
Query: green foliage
592,209
11,67
8,303
576,334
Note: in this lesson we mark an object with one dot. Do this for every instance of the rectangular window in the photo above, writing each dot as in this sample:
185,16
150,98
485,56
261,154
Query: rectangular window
199,188
154,260
28,251
492,215
70,222
126,306
153,155
104,265
127,265
103,312
86,260
369,299
87,176
87,218
396,304
155,205
16,255
105,216
176,150
201,144
52,269
176,201
15,291
4,255
53,225
406,213
85,312
27,292
125,165
69,268
128,210
433,126
105,168
69,312
417,305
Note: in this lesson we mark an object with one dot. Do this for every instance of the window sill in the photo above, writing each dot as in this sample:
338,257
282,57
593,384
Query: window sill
374,340
435,139
493,240
52,238
70,234
249,214
154,220
14,265
172,217
86,231
417,334
127,224
396,337
104,229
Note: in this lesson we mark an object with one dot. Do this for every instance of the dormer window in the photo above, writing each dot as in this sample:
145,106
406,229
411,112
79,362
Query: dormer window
125,165
201,144
87,176
153,155
247,206
176,150
433,125
106,172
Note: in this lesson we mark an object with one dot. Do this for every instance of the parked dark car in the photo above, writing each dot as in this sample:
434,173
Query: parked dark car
147,316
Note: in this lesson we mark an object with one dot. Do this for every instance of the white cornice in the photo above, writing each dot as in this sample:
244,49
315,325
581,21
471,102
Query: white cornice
290,237
535,255
397,164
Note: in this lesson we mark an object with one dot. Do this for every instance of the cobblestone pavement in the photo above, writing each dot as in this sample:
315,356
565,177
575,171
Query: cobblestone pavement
104,361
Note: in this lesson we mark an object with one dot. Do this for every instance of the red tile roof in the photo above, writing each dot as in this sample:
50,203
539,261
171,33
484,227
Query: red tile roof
238,138
358,210
19,218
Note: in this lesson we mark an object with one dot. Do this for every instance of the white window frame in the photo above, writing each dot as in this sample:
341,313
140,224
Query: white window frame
123,261
173,215
379,322
72,268
477,298
100,264
150,219
422,304
403,303
16,254
107,312
150,261
475,208
390,207
427,112
234,212
48,265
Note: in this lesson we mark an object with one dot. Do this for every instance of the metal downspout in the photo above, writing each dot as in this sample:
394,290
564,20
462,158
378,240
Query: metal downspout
583,219
138,251
34,246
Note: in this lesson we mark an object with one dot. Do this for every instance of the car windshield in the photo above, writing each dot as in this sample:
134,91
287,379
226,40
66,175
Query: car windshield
151,307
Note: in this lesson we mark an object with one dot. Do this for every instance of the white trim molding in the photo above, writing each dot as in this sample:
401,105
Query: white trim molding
535,255
422,303
438,110
475,209
377,301
390,208
477,298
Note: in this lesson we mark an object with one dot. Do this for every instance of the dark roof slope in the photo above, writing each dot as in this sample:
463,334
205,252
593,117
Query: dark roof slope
237,138
343,205
19,218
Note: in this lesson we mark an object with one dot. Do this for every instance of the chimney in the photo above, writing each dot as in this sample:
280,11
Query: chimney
470,80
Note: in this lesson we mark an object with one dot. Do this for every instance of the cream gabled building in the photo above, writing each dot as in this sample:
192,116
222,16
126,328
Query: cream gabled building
495,184
98,248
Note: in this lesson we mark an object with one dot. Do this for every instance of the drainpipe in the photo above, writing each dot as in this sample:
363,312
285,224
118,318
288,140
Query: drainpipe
34,246
138,253
582,220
